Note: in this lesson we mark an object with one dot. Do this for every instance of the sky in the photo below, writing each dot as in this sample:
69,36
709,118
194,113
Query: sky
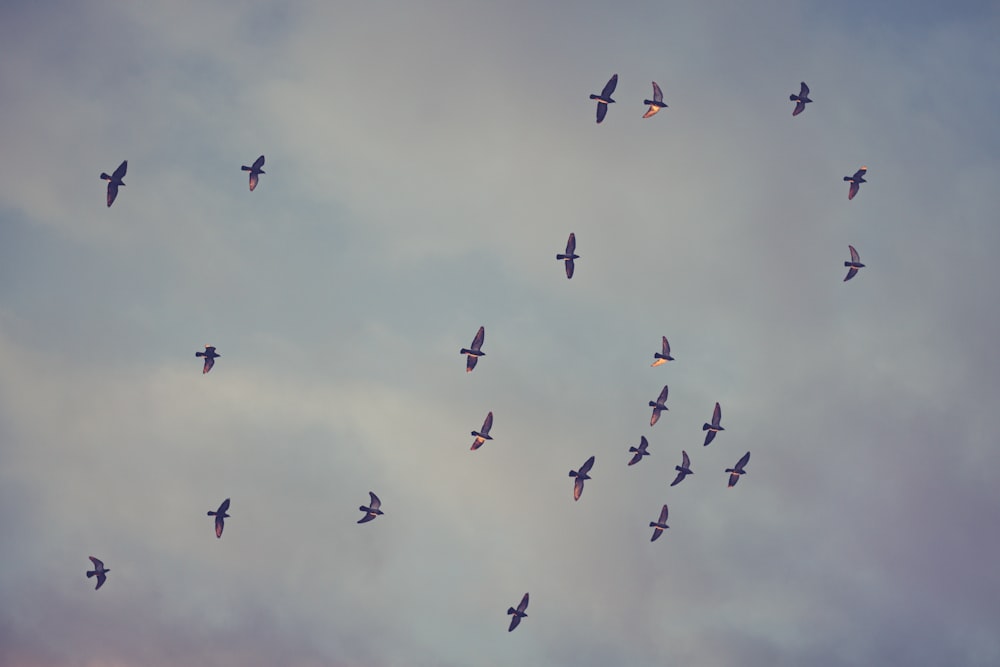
425,162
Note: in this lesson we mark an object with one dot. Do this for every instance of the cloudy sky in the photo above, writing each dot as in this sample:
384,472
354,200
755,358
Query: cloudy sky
425,163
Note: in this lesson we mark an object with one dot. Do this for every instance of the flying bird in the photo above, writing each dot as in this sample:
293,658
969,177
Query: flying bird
518,613
683,470
473,353
659,526
483,434
658,405
581,475
640,451
734,473
570,255
255,170
115,180
372,510
656,103
220,517
801,100
99,571
604,99
714,427
664,356
210,357
856,180
853,265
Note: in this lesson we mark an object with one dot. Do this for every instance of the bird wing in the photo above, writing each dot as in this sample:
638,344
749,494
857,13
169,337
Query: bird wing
609,87
663,395
376,503
477,342
209,362
635,458
717,415
470,363
663,514
854,254
259,162
853,190
577,488
643,444
804,90
253,180
488,424
224,507
678,479
666,347
112,193
588,464
571,244
860,173
657,94
657,531
98,564
570,266
101,578
709,437
655,418
851,272
366,518
733,478
514,621
685,461
524,604
602,111
800,106
220,523
743,461
120,171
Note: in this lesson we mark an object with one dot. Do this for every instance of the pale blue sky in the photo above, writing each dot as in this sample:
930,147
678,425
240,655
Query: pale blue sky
425,163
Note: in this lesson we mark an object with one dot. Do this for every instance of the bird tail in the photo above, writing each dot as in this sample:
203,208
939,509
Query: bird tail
561,256
572,473
90,573
464,350
633,449
199,354
511,611
105,177
705,427
730,470
595,97
211,514
245,168
793,98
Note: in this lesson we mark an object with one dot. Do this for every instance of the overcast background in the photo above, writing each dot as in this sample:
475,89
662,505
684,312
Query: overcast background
425,163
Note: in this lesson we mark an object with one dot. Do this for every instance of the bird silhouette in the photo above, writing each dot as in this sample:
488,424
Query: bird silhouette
640,451
483,434
656,103
663,357
604,99
580,476
372,510
658,405
99,571
473,353
856,180
220,517
114,181
210,357
734,473
801,100
659,526
853,265
255,170
517,614
569,255
714,427
683,470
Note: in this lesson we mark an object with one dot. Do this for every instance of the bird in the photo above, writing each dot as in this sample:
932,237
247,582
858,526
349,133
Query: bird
580,476
604,99
714,427
475,351
254,171
664,356
115,180
570,255
683,470
658,406
483,434
853,265
372,510
640,451
734,473
656,103
659,526
518,613
801,100
856,180
220,517
99,571
210,357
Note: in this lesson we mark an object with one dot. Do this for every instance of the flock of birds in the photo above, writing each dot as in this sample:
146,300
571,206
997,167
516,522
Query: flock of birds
475,351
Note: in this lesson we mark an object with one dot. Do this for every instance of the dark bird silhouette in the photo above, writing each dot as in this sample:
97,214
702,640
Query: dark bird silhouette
664,356
483,434
220,517
853,265
640,451
656,103
570,255
856,180
801,100
99,571
604,99
372,510
683,470
714,427
210,357
114,181
473,353
517,614
658,405
255,170
659,526
734,473
580,476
